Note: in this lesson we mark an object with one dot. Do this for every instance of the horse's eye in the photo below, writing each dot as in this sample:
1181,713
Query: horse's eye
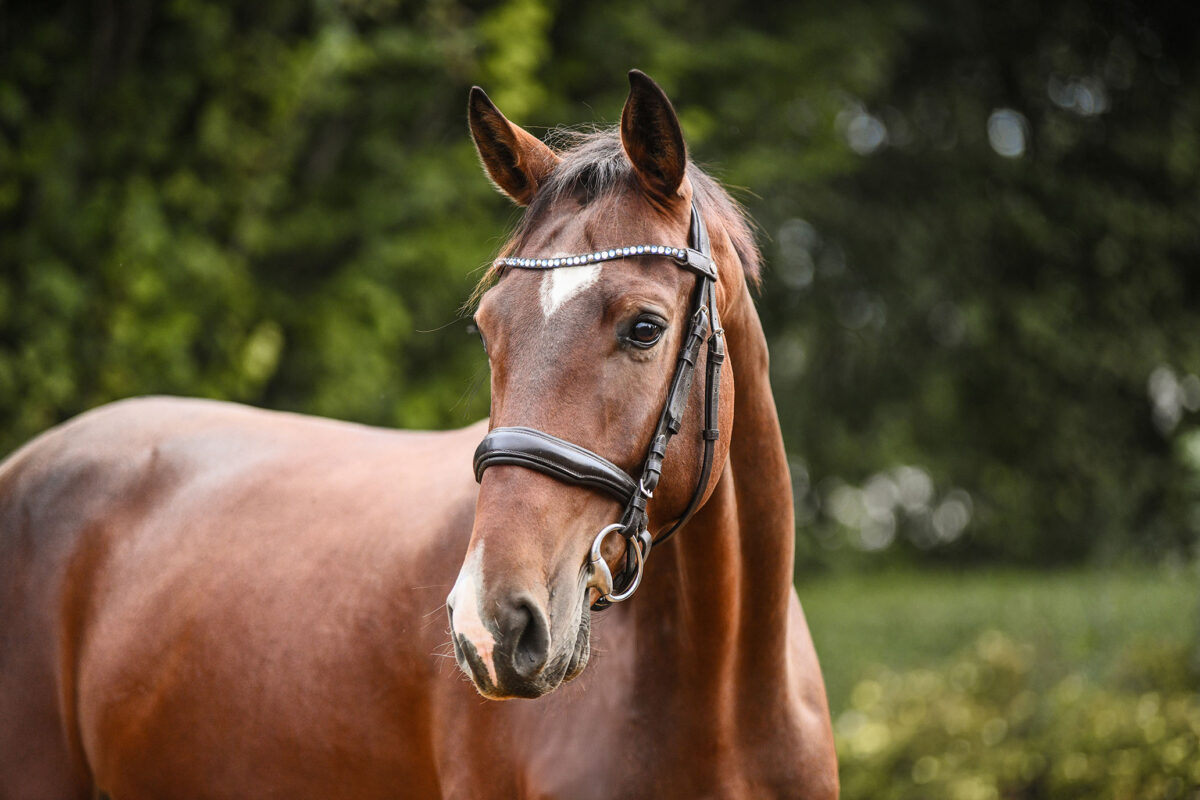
473,327
645,333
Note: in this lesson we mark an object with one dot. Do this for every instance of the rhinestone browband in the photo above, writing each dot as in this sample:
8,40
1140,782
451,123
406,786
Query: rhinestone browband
677,253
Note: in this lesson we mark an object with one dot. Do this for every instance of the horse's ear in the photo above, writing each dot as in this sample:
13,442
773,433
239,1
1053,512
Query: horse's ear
652,137
515,159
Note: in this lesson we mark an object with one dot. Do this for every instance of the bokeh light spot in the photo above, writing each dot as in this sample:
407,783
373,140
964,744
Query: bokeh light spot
1007,132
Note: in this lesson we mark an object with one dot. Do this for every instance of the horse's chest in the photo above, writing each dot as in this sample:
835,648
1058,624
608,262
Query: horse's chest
615,755
632,774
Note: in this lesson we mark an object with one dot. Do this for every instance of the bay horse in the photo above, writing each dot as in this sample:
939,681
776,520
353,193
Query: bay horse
204,600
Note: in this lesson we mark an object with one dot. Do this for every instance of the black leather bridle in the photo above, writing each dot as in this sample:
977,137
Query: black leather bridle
570,463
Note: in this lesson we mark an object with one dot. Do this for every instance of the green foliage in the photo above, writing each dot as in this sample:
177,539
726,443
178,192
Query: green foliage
1080,620
985,728
238,203
1066,684
979,222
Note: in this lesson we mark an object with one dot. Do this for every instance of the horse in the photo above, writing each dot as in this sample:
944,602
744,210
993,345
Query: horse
205,600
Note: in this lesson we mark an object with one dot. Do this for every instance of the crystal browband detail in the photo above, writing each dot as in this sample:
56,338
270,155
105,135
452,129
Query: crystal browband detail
677,253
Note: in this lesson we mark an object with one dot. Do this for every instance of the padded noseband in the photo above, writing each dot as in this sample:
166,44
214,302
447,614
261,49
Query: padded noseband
569,463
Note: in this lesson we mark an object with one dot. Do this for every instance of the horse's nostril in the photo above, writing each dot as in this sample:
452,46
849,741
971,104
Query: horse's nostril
527,627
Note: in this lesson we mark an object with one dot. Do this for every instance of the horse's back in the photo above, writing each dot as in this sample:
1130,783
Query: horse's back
165,564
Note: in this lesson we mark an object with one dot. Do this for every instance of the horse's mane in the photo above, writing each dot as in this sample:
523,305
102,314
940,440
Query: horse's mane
594,164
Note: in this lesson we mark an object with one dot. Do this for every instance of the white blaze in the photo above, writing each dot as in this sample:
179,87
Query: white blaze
560,284
465,619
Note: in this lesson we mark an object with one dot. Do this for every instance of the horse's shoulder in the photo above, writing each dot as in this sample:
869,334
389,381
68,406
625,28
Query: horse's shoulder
813,765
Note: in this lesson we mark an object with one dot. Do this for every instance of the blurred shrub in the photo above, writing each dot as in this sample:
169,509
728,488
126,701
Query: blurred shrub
991,725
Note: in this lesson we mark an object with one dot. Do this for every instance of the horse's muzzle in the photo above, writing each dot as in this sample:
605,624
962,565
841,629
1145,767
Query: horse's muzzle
518,659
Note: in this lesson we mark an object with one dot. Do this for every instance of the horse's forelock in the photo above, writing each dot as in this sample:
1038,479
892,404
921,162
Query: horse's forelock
594,164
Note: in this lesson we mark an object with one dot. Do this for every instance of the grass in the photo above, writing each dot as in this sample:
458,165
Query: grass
1082,619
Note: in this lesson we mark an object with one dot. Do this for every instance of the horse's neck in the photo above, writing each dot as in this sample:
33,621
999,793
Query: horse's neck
721,589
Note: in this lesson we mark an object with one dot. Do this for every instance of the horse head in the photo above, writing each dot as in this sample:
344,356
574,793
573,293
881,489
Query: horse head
584,348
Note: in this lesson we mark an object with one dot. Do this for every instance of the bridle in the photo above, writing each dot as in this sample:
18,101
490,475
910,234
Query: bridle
570,463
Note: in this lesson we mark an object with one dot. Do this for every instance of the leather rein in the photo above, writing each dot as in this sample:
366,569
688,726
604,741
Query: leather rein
570,463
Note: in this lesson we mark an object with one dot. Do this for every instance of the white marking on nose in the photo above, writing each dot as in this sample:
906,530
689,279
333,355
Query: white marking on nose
560,284
464,619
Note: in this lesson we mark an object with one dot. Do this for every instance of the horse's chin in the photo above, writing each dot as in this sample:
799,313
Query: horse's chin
583,647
